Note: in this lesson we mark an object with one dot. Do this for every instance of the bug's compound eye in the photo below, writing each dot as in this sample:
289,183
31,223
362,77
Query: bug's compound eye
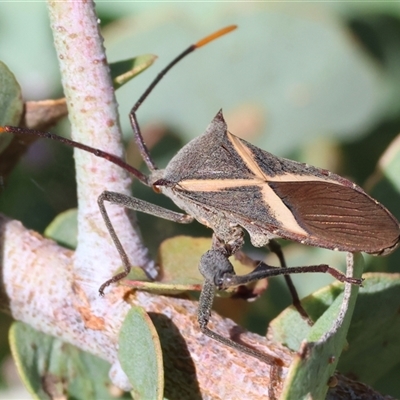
158,184
156,188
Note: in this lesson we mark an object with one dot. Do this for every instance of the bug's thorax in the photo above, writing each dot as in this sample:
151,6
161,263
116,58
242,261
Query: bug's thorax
195,181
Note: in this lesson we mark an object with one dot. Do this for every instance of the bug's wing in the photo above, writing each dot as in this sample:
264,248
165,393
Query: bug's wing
334,212
339,216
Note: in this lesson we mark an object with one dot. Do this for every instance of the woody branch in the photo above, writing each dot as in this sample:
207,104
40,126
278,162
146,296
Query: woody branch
40,288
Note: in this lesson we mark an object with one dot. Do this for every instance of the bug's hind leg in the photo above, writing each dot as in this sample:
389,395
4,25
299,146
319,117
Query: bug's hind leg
276,248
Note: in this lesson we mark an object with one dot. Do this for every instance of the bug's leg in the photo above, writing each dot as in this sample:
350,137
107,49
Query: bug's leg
136,205
132,115
213,265
276,248
264,270
218,272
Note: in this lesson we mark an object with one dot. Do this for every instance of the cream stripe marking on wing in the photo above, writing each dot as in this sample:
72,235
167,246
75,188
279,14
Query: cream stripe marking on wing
280,212
214,185
275,205
247,156
300,178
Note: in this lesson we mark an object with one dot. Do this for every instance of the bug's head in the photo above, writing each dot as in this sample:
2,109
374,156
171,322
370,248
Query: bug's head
158,184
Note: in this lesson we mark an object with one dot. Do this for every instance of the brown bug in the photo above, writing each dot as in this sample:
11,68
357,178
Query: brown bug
230,185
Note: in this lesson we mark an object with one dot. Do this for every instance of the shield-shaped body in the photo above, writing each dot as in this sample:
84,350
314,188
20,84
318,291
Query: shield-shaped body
225,182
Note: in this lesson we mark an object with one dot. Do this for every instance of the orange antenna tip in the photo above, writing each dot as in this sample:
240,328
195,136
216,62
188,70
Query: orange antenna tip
215,35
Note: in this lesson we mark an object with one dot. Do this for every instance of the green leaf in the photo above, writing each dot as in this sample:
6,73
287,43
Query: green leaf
389,164
140,355
123,71
319,346
386,180
11,104
374,340
51,369
64,228
384,185
178,259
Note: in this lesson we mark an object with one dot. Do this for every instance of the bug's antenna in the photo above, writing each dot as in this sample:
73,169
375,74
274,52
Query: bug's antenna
132,115
99,153
136,129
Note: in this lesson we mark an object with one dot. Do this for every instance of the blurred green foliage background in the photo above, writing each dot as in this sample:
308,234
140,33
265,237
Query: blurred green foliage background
316,82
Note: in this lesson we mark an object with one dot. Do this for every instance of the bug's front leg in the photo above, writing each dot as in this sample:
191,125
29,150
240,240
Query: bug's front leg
136,205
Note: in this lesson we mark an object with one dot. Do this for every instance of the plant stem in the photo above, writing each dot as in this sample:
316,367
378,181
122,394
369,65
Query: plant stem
94,121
